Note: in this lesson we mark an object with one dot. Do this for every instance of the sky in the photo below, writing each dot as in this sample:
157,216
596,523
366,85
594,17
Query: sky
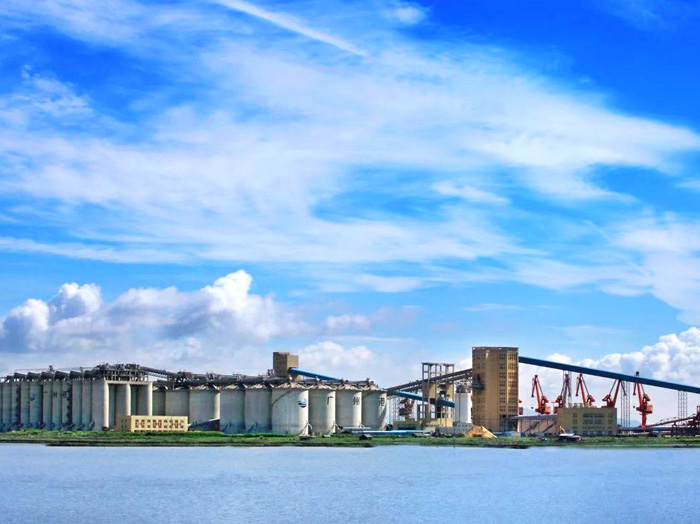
370,184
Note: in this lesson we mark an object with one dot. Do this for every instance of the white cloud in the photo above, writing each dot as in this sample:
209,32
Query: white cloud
77,318
386,284
330,357
489,307
340,323
408,13
470,193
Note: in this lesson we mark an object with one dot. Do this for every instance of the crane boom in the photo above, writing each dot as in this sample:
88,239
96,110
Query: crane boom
543,407
581,387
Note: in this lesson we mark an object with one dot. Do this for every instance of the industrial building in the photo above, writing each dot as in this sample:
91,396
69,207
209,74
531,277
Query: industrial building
495,387
286,400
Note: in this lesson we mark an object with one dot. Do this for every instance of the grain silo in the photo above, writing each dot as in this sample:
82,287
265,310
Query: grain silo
76,410
177,402
205,404
290,412
322,409
35,400
374,407
86,404
56,392
232,409
159,402
348,406
47,404
24,403
258,408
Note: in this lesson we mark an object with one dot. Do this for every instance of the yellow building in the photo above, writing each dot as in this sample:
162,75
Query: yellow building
588,421
140,423
495,387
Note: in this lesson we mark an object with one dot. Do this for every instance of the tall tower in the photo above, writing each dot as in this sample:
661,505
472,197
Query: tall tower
495,387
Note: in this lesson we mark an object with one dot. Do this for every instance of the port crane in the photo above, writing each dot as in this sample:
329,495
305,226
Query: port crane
543,407
565,395
611,398
581,387
644,407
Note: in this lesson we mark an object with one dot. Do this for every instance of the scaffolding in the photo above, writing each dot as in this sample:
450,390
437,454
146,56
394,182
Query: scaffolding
682,404
436,388
625,407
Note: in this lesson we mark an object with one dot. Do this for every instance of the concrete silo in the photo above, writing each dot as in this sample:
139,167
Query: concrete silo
177,402
76,406
100,404
232,409
47,404
322,409
24,386
258,408
463,405
374,407
158,402
14,404
35,400
86,405
205,404
65,403
290,409
348,406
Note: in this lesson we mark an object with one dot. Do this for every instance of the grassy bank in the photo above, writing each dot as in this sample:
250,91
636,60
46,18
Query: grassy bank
211,438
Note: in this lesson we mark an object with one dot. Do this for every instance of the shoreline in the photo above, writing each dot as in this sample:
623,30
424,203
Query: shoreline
216,439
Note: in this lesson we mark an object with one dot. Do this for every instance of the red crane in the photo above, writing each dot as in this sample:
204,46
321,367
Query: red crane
586,396
565,394
611,398
645,407
543,407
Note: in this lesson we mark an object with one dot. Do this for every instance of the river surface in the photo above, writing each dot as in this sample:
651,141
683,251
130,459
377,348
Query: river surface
386,485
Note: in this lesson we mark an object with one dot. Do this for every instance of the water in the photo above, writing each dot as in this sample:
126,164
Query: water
325,485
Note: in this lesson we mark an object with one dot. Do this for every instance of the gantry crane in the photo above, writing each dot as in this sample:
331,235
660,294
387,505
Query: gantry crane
543,407
586,396
644,407
611,398
565,395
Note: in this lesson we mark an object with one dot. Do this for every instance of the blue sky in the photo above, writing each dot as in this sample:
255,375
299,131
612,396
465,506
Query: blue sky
369,183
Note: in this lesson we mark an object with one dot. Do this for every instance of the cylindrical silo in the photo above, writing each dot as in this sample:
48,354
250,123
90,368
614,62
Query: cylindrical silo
374,408
322,409
65,403
177,402
100,404
348,406
232,409
86,405
56,392
76,405
463,406
205,404
47,404
159,402
144,396
6,405
35,399
290,411
122,402
258,409
24,403
14,404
